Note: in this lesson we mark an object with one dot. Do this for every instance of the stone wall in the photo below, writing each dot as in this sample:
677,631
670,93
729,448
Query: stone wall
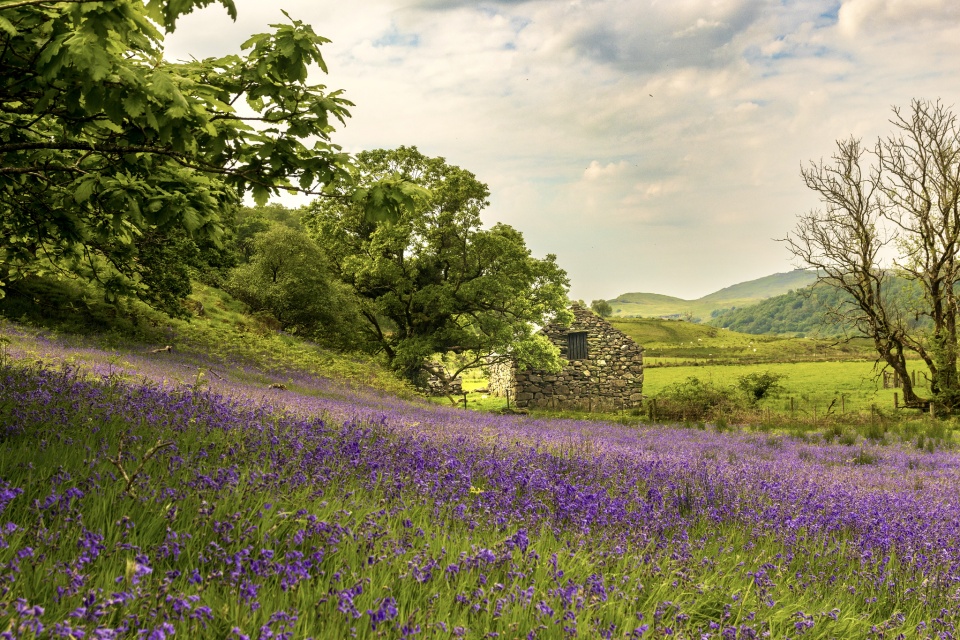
610,377
435,386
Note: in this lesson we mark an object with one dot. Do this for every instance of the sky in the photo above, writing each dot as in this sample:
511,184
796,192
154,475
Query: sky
651,145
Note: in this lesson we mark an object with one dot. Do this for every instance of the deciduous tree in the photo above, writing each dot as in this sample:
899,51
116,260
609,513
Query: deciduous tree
602,308
437,281
289,277
103,141
901,197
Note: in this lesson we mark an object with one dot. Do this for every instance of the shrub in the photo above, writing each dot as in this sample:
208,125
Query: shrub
694,399
758,386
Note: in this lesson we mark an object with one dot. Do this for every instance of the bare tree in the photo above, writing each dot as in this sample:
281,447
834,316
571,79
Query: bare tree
843,242
919,167
913,189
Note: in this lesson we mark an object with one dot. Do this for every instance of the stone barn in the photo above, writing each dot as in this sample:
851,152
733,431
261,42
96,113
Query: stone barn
603,370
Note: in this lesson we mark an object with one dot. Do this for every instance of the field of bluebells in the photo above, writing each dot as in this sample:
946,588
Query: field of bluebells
142,497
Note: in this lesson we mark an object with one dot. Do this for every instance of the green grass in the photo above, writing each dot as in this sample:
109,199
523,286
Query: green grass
676,341
812,385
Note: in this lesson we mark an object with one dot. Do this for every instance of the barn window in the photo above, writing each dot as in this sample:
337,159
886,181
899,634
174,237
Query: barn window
577,345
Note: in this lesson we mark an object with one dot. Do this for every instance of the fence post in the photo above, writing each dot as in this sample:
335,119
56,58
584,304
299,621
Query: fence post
791,406
843,404
896,400
464,399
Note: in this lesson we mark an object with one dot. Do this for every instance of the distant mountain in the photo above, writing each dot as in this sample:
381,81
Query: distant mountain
739,295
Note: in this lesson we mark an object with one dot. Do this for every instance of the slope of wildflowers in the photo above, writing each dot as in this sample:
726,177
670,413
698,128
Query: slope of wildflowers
137,500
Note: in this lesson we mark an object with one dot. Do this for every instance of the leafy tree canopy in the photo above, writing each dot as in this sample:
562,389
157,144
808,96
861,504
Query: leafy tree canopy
602,308
288,278
436,281
102,141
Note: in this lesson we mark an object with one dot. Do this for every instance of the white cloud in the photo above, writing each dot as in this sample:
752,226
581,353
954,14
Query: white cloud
597,171
857,15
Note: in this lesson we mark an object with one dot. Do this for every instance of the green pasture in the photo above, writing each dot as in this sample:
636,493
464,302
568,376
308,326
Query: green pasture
651,305
669,341
814,386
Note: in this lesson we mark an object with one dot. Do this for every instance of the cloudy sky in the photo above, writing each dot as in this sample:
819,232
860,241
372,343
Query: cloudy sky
652,145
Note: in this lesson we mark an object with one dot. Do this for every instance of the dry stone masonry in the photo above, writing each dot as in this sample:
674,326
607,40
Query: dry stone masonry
603,370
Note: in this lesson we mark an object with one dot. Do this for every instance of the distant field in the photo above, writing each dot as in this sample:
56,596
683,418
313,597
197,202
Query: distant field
654,306
810,384
817,372
667,341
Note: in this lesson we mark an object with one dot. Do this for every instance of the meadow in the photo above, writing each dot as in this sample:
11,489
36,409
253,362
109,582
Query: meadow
143,496
853,386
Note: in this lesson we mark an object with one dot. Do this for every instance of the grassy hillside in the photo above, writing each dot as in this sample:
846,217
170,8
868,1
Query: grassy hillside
219,334
738,295
676,341
765,287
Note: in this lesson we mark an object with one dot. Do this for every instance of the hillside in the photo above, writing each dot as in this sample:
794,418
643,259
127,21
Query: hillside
761,288
805,311
675,341
219,334
799,312
738,295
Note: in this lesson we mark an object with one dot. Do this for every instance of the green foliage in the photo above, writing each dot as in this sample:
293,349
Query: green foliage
164,273
695,399
602,308
759,385
289,278
816,310
436,281
801,311
103,142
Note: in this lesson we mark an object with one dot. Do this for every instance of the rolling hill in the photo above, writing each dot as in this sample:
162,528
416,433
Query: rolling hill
807,311
735,296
